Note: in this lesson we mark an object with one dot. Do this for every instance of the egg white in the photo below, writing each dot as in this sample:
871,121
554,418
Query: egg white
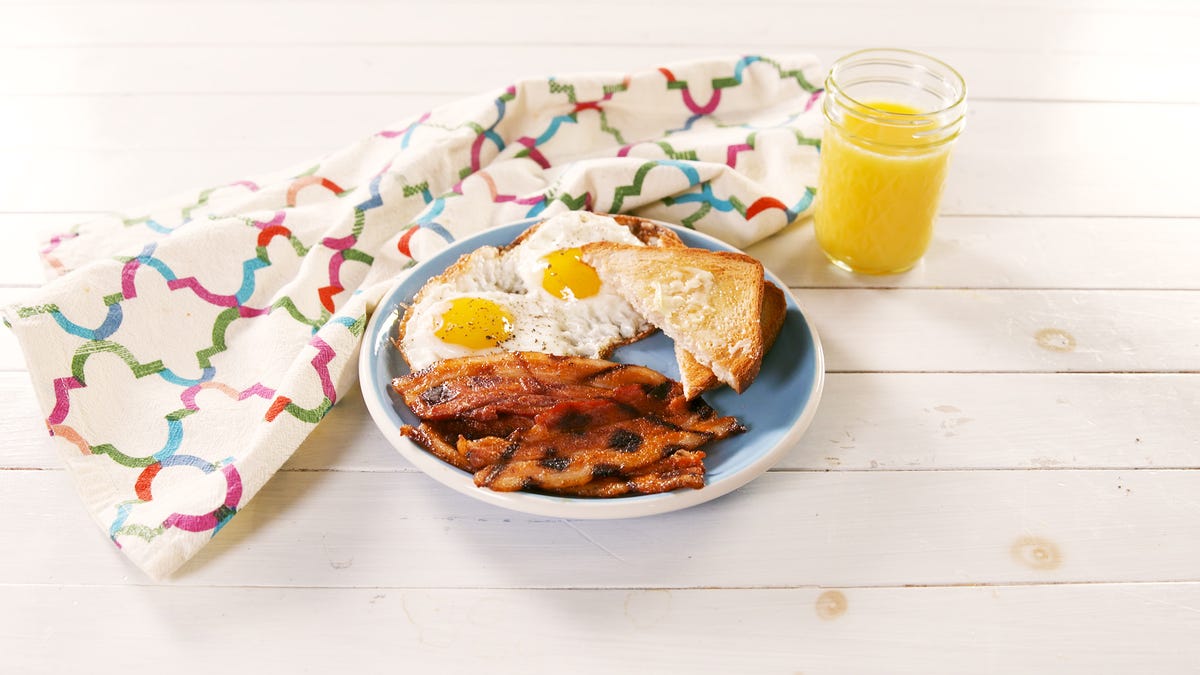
512,279
569,230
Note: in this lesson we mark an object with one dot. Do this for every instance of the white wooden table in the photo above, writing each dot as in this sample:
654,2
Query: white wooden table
1002,475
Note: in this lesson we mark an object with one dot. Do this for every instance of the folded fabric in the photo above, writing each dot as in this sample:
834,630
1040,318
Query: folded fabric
185,352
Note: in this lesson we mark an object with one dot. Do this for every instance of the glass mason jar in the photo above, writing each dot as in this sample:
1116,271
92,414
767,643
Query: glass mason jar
892,116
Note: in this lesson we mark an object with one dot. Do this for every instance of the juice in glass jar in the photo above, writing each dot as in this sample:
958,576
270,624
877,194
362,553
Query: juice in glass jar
884,158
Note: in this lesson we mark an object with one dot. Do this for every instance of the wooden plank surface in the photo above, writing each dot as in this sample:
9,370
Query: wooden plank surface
1002,629
985,330
1002,473
967,25
785,529
460,69
1013,253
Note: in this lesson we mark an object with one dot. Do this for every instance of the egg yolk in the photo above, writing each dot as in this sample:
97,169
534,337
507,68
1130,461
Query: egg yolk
475,323
568,277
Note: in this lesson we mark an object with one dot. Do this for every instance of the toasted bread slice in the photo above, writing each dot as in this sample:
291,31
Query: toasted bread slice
697,379
708,302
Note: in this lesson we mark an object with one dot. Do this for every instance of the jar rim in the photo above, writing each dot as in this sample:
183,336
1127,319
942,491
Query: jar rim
956,79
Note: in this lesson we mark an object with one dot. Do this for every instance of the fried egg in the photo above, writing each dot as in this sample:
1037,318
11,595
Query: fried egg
535,295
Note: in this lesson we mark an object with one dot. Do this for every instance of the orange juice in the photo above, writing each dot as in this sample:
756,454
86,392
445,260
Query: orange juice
883,163
877,194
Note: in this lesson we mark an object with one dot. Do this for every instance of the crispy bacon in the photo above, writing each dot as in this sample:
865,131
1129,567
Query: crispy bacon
560,424
682,469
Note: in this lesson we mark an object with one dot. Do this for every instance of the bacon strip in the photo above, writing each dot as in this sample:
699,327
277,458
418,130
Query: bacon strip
560,424
682,469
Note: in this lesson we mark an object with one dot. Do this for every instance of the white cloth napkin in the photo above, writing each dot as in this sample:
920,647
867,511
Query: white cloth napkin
183,354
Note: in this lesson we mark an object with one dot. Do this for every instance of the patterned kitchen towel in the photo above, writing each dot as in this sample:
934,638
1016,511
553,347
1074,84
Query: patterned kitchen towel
183,353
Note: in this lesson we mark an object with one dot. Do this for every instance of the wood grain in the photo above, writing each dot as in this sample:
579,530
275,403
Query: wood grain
896,630
1016,253
1000,478
873,528
1000,27
982,330
467,68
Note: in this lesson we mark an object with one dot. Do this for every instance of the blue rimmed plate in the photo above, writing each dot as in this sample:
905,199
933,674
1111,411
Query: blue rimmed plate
776,410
